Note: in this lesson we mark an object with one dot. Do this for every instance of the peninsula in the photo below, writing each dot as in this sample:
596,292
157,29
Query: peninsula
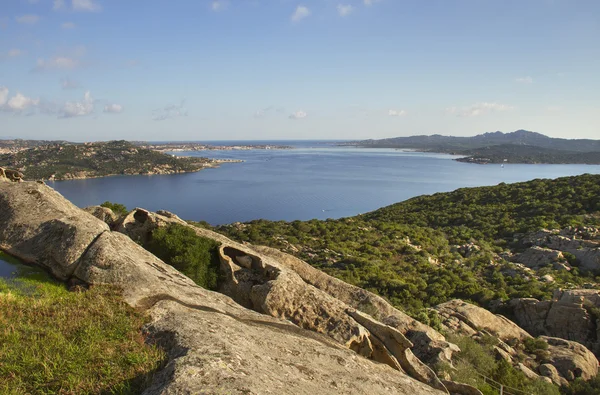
521,146
66,161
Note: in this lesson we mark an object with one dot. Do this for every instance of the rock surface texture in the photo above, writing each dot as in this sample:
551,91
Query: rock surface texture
214,344
565,361
569,315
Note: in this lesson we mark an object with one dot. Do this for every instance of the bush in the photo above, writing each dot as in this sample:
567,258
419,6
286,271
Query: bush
117,208
196,257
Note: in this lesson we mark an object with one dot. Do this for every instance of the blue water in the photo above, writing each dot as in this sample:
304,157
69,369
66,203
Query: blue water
315,180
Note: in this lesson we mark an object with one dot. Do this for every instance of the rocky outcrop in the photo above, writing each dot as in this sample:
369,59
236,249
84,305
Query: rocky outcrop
104,214
468,319
582,243
569,315
538,257
570,359
214,344
281,286
428,344
10,175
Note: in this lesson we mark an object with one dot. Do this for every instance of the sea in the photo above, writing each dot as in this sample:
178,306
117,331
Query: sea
315,179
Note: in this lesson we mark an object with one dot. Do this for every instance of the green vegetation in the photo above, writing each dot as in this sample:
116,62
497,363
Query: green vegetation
513,153
196,257
582,387
405,252
116,208
69,160
53,341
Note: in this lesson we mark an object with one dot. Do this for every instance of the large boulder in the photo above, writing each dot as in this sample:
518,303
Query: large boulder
571,359
39,226
104,214
468,319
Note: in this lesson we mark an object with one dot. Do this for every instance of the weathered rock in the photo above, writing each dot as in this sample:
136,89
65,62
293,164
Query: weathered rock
537,257
104,214
501,354
550,371
39,226
10,175
214,344
530,374
474,319
429,345
571,359
566,316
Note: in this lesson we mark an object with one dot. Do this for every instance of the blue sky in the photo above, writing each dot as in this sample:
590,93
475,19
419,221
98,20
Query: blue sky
283,69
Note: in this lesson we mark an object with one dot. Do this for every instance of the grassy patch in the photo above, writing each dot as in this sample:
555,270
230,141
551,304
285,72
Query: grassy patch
53,341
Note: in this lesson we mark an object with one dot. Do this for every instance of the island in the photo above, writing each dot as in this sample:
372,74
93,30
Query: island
521,146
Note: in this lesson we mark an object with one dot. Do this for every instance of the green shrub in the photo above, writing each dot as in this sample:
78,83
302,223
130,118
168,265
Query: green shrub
117,208
196,257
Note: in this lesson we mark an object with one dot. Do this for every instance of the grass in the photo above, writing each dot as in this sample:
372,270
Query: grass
53,341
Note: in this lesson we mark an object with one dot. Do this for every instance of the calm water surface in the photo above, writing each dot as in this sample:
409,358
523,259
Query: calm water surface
311,181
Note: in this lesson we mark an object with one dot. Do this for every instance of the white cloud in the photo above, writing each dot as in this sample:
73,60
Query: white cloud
85,6
113,108
300,13
298,115
58,4
20,102
478,109
68,25
396,113
78,108
345,9
56,63
170,111
369,3
67,83
524,80
219,5
16,104
29,19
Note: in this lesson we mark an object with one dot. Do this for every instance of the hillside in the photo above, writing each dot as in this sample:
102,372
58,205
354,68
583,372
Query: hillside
70,161
410,252
452,143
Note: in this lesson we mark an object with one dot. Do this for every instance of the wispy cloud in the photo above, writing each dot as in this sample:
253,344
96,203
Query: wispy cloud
170,112
113,108
396,113
219,5
56,63
68,25
300,13
28,19
67,83
58,5
85,6
369,3
524,80
11,53
478,109
298,115
81,108
345,9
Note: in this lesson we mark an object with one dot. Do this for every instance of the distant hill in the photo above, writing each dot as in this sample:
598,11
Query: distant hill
439,143
521,146
64,161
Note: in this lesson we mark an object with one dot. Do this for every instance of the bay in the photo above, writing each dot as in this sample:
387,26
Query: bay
314,180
